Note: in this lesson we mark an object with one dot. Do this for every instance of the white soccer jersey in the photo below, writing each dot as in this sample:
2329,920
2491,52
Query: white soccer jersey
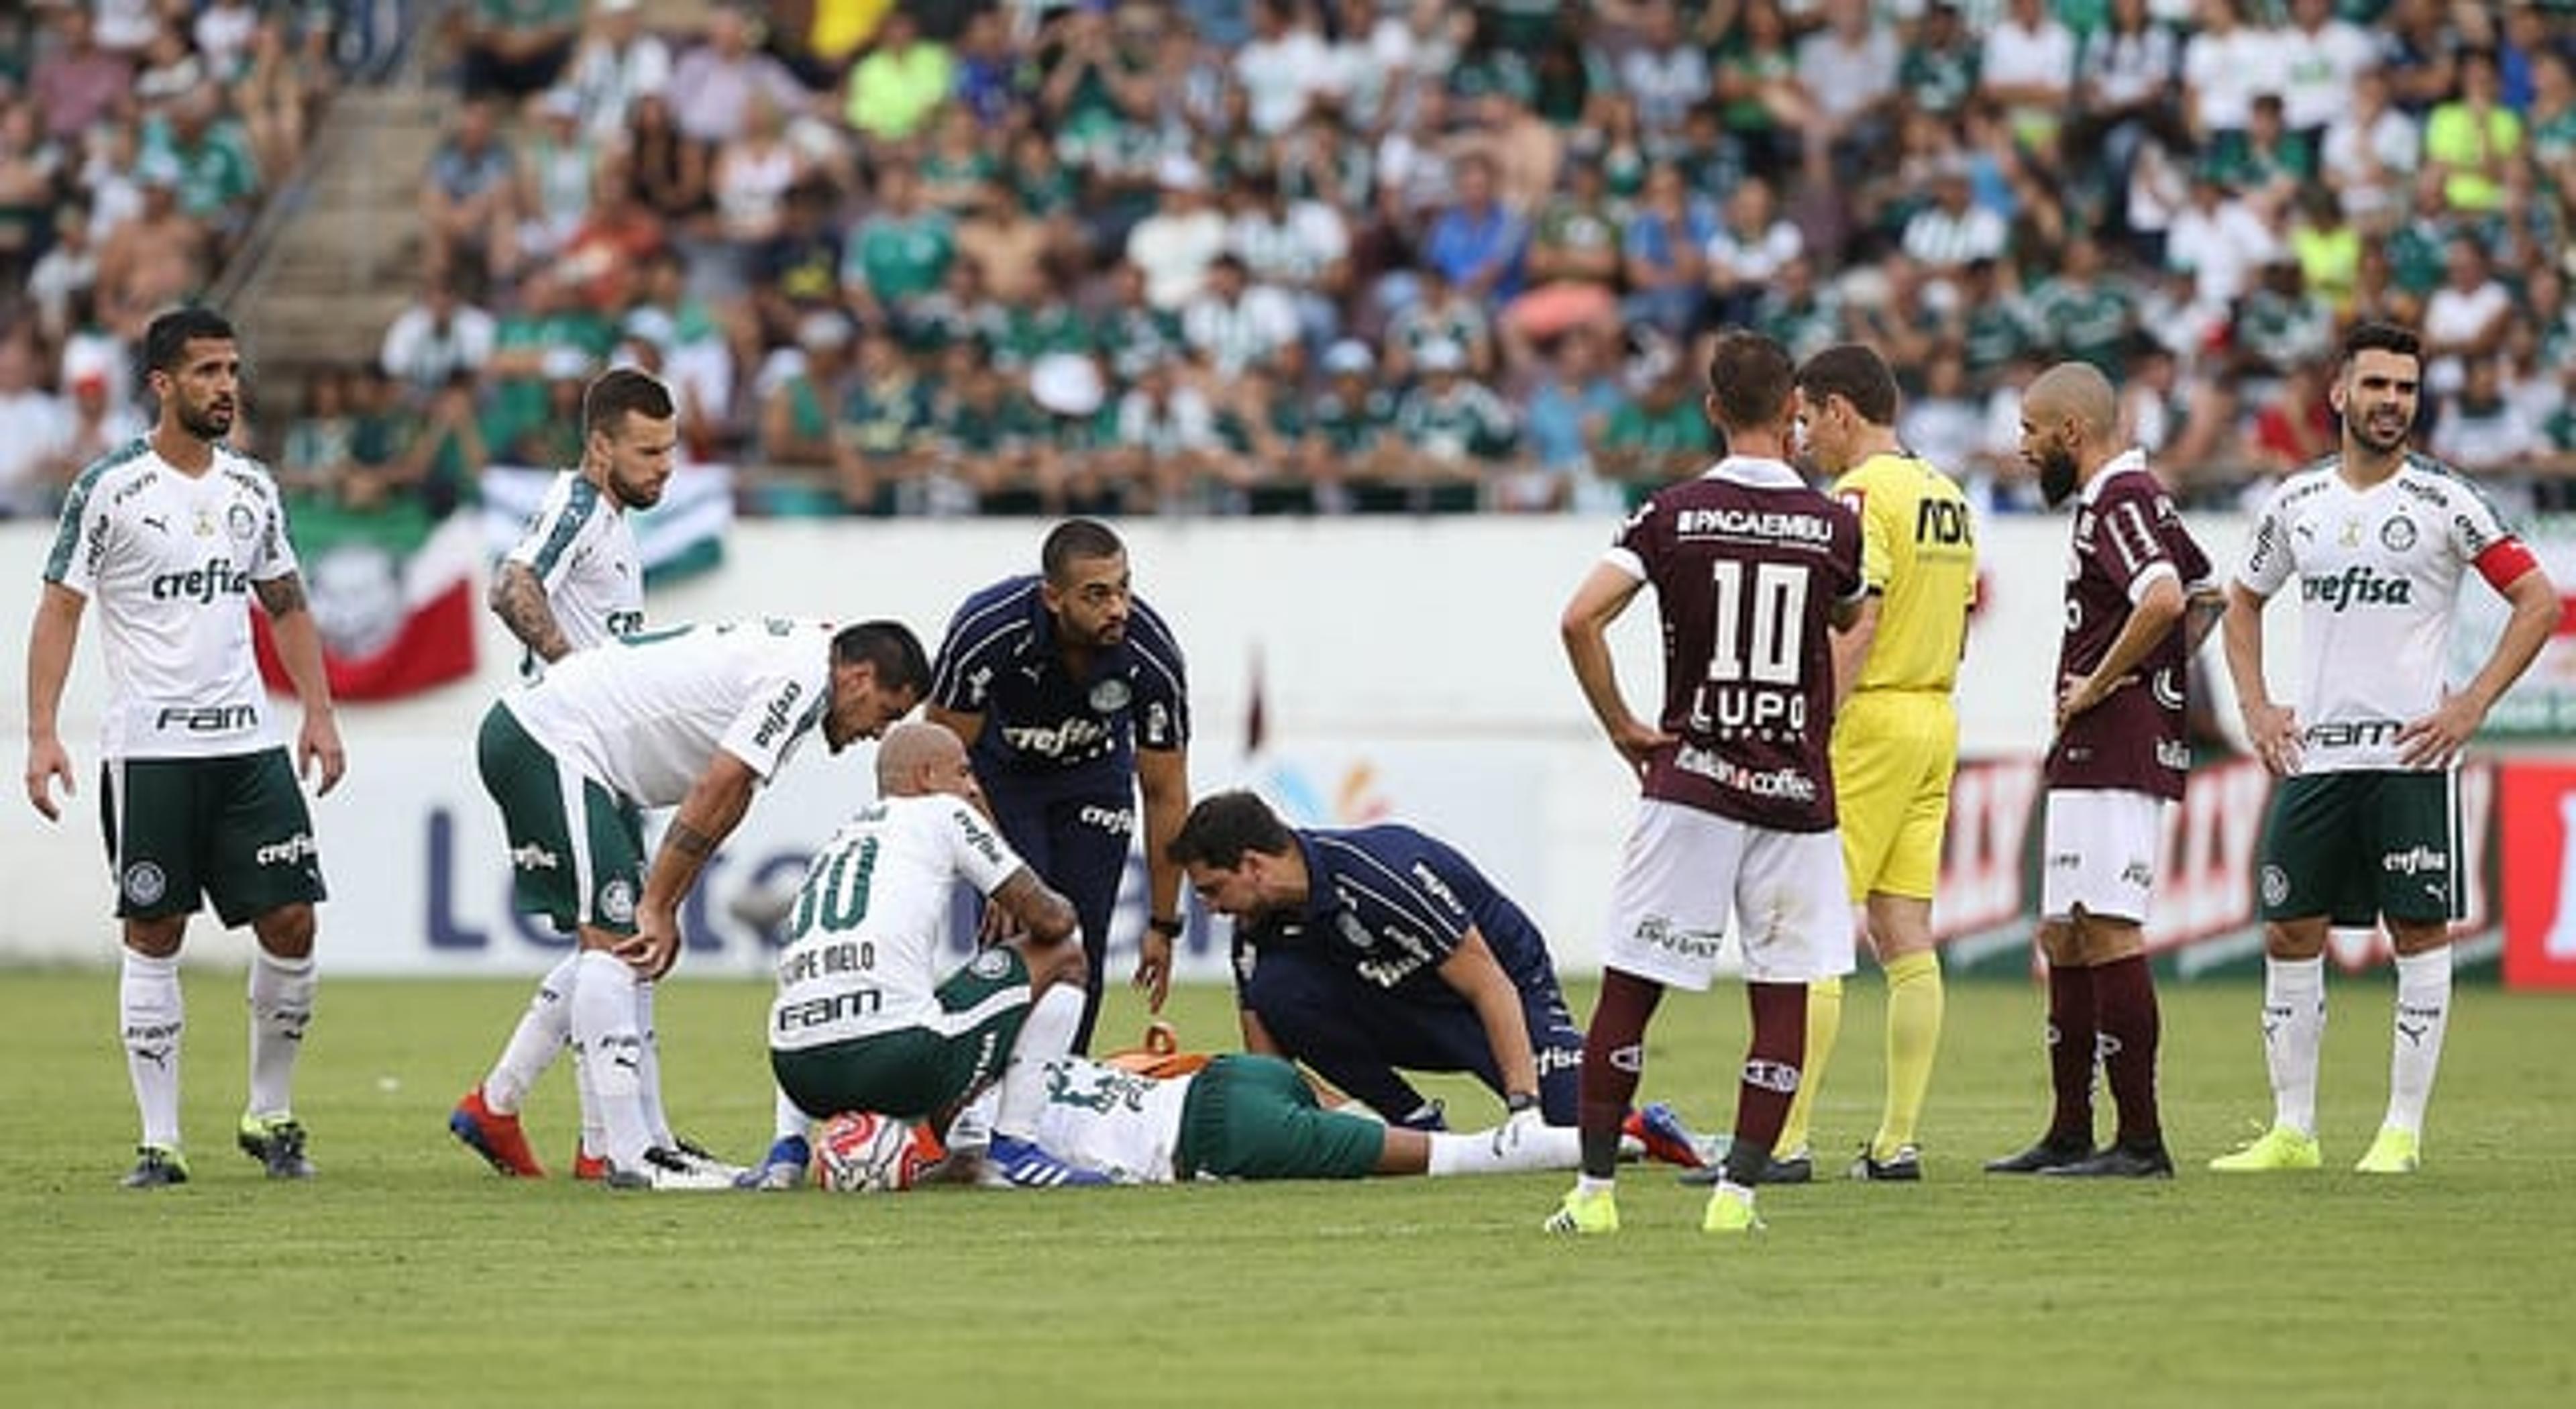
170,559
2379,574
582,549
1112,1120
644,714
871,920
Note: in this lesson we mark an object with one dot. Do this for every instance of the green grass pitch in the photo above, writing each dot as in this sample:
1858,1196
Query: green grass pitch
408,1275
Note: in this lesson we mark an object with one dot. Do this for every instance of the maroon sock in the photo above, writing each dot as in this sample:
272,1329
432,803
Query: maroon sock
1770,1079
1614,1056
2070,1054
2124,992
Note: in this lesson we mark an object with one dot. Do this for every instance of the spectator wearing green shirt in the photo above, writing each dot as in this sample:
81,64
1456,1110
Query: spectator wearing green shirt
880,444
1349,437
218,180
902,249
1658,433
800,387
1447,428
986,432
2081,312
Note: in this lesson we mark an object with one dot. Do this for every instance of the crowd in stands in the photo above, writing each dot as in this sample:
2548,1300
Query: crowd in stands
1215,256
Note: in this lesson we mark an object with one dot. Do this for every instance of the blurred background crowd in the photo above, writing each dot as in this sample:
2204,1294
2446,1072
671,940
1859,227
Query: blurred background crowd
1309,256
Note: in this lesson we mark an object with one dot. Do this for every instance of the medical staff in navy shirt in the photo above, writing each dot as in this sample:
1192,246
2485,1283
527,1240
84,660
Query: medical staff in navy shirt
1070,695
1363,951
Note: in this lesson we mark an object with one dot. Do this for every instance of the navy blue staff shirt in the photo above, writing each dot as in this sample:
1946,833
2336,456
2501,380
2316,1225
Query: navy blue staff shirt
1391,904
1001,660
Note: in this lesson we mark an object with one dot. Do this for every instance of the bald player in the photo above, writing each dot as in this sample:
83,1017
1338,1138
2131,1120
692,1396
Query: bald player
2139,598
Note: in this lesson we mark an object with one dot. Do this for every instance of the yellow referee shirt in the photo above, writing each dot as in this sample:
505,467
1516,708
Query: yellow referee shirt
1919,552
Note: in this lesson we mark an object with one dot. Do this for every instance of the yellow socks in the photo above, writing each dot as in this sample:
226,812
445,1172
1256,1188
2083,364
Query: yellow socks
1914,1004
1824,1023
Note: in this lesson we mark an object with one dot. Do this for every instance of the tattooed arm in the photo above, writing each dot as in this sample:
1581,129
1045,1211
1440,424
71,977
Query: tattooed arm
299,649
708,815
518,597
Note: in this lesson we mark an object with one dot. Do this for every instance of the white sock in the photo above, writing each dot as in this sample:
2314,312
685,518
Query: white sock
2294,1027
649,1072
281,1006
603,1026
1484,1152
792,1121
151,1014
594,1131
1045,1035
2423,1016
541,1034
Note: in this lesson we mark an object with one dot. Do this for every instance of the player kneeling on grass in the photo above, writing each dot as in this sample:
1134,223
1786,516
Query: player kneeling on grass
865,1019
1165,1117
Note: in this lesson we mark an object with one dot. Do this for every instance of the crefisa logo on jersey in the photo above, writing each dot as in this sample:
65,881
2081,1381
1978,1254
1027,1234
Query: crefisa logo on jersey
2398,534
144,884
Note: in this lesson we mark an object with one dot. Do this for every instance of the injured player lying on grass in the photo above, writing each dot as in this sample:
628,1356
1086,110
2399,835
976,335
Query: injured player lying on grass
1240,1116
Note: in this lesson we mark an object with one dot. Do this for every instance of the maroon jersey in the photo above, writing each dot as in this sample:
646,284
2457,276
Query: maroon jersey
1747,564
2126,534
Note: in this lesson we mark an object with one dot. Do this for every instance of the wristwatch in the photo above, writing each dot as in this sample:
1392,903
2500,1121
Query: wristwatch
1169,927
1520,1101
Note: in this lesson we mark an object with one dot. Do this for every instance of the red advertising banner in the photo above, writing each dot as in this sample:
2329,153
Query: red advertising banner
2538,822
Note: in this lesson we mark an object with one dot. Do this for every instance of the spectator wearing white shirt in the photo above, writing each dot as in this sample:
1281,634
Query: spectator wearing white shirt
437,336
2370,154
2224,65
712,86
1665,73
2480,429
2464,318
1849,68
1175,244
1283,67
1947,235
618,61
2220,242
2326,55
1752,244
1234,325
2029,72
1301,248
35,425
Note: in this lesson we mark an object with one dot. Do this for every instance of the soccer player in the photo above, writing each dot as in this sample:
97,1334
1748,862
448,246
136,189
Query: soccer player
1751,570
697,716
1070,695
1895,735
2364,824
1358,952
198,799
575,579
864,1019
2138,601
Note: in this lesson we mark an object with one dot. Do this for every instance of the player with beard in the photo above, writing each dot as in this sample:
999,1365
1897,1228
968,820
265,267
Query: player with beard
1751,569
196,794
2138,601
1066,686
2363,827
574,579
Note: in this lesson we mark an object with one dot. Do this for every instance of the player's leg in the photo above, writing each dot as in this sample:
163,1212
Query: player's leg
149,813
1254,1117
1089,838
2073,1031
1876,770
2113,839
1783,874
1900,933
2309,858
2419,820
1322,1016
1795,1159
1057,979
267,871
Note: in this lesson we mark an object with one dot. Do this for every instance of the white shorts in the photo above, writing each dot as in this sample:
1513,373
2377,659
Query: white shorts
2098,851
1685,872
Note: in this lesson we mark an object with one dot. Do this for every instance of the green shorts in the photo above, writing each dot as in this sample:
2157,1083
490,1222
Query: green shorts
919,1071
2360,845
1254,1117
577,874
232,829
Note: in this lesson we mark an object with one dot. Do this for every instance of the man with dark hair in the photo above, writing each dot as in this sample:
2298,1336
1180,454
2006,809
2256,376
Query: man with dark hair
2138,601
1751,570
576,579
1361,951
691,717
2367,779
198,797
1070,695
1895,734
